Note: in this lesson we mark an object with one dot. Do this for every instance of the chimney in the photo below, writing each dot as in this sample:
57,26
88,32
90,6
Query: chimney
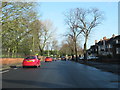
104,38
96,41
113,35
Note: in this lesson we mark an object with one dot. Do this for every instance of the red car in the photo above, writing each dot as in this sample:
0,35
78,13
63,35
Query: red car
48,59
31,61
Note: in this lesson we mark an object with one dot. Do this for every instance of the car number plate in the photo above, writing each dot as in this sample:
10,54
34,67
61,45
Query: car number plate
29,61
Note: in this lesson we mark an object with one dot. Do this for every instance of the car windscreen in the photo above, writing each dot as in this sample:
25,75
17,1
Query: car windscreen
30,57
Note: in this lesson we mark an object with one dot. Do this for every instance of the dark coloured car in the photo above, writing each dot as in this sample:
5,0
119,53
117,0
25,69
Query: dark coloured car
63,58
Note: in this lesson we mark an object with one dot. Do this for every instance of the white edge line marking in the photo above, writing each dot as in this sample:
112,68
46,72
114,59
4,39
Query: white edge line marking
4,71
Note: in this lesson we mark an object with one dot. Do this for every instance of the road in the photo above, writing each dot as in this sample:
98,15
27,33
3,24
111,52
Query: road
59,74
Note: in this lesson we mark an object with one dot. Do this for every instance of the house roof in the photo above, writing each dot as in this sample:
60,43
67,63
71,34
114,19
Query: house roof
111,40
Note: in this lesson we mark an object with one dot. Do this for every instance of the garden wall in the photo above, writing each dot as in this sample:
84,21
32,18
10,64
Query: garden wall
11,61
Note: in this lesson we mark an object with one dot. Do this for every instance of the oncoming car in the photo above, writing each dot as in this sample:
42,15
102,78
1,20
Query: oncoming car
48,59
31,61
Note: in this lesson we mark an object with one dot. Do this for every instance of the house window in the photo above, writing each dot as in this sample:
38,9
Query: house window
117,41
96,49
110,46
117,50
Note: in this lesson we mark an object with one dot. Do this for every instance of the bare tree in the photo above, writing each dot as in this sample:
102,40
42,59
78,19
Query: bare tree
88,20
82,21
71,45
46,32
72,21
65,49
54,44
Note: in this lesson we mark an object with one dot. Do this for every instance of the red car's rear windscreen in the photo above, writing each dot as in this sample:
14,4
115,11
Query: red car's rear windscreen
30,57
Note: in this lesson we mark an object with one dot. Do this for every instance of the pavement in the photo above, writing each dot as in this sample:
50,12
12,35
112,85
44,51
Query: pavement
7,67
108,67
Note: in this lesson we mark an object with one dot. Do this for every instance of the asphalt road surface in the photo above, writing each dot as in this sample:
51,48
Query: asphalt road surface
59,74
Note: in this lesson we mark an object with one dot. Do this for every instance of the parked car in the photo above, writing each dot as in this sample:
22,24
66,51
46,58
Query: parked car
92,57
31,61
63,58
59,58
54,59
48,59
81,58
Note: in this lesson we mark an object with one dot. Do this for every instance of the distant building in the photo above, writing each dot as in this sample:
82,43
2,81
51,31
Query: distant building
106,47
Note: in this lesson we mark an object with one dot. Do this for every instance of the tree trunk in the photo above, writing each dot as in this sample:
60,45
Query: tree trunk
41,50
76,52
85,57
85,48
33,46
8,52
72,57
13,52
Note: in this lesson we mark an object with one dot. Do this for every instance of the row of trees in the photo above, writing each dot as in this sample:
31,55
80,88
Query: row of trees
81,22
67,47
22,32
